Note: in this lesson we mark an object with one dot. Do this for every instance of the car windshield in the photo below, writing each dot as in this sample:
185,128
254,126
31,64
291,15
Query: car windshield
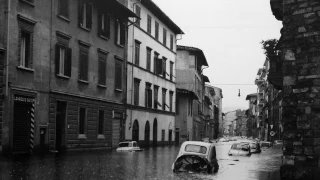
196,148
253,145
124,145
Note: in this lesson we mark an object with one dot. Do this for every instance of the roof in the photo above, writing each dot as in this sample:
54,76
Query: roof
199,143
117,7
251,95
196,51
162,16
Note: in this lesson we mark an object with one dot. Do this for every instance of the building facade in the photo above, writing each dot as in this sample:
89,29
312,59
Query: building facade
151,75
251,113
189,63
65,74
296,63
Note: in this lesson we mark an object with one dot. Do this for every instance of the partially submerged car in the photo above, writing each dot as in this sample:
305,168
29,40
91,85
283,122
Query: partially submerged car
265,144
196,157
240,149
255,147
128,146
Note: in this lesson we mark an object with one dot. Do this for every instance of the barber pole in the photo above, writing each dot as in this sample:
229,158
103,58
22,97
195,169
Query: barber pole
32,128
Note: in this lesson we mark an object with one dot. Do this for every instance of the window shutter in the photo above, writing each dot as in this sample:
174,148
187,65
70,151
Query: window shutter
150,98
107,21
57,58
146,97
100,31
118,77
68,62
89,15
80,12
116,31
102,71
122,34
159,66
86,66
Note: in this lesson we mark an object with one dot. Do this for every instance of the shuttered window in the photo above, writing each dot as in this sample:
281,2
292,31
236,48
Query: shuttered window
83,65
64,8
148,96
63,60
164,67
102,69
164,91
85,14
171,41
118,75
171,70
149,22
170,100
138,13
137,53
120,33
164,37
155,61
156,28
156,103
136,91
148,59
104,21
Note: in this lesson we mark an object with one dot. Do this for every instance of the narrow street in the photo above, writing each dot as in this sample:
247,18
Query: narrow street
153,163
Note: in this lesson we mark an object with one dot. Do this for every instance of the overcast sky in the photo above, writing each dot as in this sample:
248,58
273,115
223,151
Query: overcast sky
229,32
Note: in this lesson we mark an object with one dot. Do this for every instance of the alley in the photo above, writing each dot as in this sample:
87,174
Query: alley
153,163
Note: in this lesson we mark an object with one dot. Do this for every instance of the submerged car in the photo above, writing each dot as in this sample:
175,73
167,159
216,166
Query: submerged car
277,143
240,149
196,157
255,147
128,146
265,144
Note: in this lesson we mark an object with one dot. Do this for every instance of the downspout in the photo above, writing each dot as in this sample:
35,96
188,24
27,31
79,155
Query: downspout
132,78
7,49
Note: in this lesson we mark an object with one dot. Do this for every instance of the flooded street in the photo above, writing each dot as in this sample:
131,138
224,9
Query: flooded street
152,163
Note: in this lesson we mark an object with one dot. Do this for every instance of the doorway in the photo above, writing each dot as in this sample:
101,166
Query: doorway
147,134
170,137
155,132
135,131
61,126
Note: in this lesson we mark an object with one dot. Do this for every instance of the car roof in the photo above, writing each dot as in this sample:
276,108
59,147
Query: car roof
199,143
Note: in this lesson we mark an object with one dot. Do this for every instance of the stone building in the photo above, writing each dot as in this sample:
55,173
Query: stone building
151,75
296,62
190,120
64,74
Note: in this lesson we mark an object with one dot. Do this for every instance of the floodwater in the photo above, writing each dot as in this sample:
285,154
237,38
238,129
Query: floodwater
152,163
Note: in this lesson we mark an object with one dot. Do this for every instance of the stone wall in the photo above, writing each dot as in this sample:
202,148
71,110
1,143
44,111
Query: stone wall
301,89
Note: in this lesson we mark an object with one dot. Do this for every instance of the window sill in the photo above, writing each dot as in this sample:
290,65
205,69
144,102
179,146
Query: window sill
103,37
82,136
102,86
25,68
28,3
118,90
101,136
83,81
63,76
84,28
63,18
122,46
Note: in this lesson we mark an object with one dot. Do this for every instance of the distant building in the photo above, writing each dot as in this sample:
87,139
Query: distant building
251,113
190,120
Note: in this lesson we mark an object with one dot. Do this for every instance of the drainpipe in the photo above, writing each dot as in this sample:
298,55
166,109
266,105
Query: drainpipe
7,49
132,78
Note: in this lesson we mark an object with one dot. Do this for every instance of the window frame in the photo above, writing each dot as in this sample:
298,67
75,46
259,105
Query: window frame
65,6
83,66
156,96
137,52
120,33
148,58
104,24
156,28
171,42
149,24
101,122
136,91
102,73
164,40
138,13
171,101
118,81
67,61
82,130
85,12
148,95
171,70
164,92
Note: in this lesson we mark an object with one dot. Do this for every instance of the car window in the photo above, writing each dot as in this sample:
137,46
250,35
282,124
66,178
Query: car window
236,146
195,148
134,144
124,145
